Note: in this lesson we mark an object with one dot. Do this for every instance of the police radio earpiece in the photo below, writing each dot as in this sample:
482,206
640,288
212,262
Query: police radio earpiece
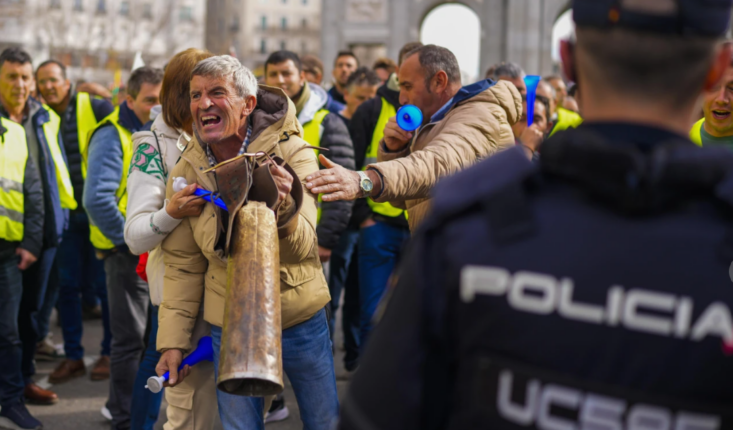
409,117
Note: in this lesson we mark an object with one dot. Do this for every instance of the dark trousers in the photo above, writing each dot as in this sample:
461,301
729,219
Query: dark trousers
344,276
79,270
128,305
145,403
35,280
11,349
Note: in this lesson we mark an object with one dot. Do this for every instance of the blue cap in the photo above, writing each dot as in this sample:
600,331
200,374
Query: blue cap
707,18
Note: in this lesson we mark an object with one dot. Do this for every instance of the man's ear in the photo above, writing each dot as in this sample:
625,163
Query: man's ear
441,81
722,62
130,101
249,106
567,55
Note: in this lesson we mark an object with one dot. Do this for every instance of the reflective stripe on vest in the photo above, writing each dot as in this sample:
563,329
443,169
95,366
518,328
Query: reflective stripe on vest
86,122
696,132
312,132
387,112
98,239
566,119
13,159
51,131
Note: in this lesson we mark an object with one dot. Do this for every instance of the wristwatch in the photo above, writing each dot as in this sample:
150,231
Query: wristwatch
365,183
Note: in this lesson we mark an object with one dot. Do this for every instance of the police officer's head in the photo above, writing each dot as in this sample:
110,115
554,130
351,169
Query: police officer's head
52,82
718,107
646,60
16,77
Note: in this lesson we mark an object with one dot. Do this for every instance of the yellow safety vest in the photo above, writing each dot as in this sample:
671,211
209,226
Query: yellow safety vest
95,235
86,122
13,159
696,132
566,119
387,112
312,134
51,131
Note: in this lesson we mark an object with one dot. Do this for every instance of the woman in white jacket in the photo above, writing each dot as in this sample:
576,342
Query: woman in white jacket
191,404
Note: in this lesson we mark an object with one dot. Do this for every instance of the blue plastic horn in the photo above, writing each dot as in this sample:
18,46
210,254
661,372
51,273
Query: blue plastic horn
203,352
531,81
409,117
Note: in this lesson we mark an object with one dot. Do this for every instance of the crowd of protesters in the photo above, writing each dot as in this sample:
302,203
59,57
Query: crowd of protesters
91,225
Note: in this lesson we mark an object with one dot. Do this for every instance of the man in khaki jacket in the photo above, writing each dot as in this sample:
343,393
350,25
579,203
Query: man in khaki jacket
462,125
230,119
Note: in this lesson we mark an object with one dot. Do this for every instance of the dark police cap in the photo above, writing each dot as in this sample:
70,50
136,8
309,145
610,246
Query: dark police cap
709,18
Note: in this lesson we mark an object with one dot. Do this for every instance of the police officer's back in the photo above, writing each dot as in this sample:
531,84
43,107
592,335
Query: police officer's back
591,290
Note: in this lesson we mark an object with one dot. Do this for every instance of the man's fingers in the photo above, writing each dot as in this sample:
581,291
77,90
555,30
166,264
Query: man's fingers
320,181
318,174
325,162
334,197
173,376
327,188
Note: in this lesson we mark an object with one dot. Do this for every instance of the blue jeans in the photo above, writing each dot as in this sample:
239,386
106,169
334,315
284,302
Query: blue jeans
35,280
79,270
344,276
11,348
308,362
146,404
379,249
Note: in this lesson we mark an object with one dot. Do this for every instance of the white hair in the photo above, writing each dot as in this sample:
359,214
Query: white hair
226,66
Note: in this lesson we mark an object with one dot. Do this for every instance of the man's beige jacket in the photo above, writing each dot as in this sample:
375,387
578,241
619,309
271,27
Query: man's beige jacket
471,131
196,267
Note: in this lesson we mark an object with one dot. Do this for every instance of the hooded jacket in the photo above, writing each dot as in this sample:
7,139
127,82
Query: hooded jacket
334,137
474,125
195,267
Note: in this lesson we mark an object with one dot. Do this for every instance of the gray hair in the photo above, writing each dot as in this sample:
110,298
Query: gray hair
435,58
509,70
226,66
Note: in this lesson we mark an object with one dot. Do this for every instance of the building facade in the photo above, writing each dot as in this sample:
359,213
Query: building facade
253,29
94,38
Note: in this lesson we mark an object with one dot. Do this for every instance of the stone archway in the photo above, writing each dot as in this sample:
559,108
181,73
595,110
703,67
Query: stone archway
511,30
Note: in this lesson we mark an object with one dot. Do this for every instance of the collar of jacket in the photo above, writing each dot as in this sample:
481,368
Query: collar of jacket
462,95
128,119
391,91
273,121
316,102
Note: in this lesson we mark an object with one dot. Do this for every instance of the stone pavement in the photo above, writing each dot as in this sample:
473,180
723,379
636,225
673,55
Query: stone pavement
80,400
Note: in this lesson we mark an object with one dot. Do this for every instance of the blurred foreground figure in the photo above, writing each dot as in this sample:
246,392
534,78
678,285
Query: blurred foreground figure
590,289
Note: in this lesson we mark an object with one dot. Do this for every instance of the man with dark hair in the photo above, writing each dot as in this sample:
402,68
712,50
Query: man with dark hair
461,126
344,65
21,243
313,68
590,289
530,137
78,268
361,86
46,150
320,128
105,200
367,126
511,72
546,90
384,67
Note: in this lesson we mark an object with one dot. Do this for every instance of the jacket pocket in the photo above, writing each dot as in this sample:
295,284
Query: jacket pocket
298,273
179,397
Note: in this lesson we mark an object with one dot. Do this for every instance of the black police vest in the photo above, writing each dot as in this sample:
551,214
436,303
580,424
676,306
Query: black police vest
591,292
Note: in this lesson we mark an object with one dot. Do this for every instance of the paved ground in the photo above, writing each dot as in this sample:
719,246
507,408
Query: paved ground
81,399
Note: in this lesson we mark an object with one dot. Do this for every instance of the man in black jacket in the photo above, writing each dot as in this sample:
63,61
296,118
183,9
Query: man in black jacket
21,241
79,271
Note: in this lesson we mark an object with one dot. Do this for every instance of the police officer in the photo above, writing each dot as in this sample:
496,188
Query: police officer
589,290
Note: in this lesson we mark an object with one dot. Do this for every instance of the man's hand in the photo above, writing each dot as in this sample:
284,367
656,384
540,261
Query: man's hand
169,362
334,182
395,138
532,137
283,180
324,254
26,258
184,204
